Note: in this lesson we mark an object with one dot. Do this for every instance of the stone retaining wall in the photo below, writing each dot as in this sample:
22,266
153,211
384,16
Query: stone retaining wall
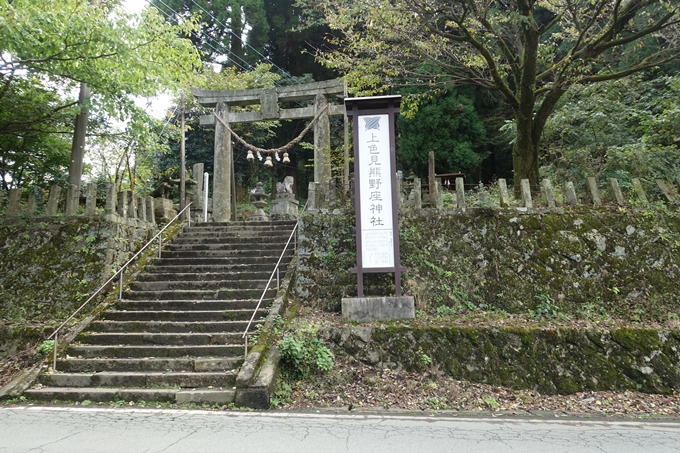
50,265
615,261
549,360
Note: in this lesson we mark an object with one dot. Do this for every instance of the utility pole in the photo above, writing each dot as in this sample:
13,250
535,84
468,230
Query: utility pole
182,171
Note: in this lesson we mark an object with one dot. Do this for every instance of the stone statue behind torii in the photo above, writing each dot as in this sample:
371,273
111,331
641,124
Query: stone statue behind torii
223,182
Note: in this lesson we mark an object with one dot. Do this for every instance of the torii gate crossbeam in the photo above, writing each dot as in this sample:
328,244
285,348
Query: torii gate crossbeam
268,99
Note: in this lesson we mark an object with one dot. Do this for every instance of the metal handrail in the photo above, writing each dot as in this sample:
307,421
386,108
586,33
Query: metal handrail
55,334
271,277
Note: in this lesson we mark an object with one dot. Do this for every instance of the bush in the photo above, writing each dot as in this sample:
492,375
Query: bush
304,356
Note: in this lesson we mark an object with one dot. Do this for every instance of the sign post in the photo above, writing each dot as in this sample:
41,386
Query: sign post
376,201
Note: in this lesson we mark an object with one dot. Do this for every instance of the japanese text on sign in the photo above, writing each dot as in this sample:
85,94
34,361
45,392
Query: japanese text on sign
375,179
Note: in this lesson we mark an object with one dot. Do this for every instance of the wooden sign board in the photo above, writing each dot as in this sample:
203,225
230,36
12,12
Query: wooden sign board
377,221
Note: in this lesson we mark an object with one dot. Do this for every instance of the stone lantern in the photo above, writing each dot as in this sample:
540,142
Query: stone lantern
259,202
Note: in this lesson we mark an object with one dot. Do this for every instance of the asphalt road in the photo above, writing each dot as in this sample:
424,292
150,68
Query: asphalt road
74,430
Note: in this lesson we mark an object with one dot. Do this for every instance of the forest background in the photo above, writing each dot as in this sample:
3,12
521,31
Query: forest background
623,127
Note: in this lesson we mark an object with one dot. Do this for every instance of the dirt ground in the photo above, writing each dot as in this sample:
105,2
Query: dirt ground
352,385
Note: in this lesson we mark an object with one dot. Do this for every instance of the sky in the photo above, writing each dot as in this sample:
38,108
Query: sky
157,106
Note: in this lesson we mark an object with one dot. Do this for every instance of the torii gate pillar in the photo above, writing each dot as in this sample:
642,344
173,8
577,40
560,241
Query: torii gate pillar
269,99
223,167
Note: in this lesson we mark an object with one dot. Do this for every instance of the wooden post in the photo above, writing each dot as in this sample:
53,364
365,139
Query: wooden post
570,191
526,194
667,192
547,189
122,204
150,210
32,205
637,185
460,193
90,198
594,191
14,202
503,193
72,199
430,172
616,190
417,191
110,198
53,200
198,177
438,194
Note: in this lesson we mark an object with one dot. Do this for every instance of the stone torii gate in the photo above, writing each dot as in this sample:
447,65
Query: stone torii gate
223,182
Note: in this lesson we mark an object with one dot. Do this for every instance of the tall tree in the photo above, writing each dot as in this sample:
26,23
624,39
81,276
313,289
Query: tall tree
529,51
53,46
236,29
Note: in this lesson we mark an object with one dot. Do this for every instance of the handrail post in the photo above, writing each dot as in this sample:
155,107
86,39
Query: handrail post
54,360
278,280
120,287
246,352
160,245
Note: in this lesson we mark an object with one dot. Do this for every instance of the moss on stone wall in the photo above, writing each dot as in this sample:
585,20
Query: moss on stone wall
50,266
621,262
550,360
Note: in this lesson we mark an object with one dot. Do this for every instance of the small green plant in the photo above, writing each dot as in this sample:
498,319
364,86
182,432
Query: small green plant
305,355
491,402
437,402
281,396
547,309
445,310
425,359
45,348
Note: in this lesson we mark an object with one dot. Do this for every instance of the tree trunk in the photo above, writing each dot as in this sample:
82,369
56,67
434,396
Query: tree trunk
75,169
525,156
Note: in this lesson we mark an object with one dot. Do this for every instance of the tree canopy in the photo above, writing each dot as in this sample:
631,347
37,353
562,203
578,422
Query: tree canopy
48,47
531,52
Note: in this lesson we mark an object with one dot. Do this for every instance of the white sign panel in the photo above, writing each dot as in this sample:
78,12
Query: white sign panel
375,188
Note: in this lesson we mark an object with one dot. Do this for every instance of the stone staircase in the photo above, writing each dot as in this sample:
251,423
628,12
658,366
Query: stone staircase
176,335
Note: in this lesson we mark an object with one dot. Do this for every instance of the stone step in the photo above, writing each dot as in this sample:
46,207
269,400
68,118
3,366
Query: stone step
138,351
268,260
190,305
188,285
139,379
182,316
159,338
168,326
72,365
227,247
217,294
231,254
247,226
199,396
165,268
207,239
203,276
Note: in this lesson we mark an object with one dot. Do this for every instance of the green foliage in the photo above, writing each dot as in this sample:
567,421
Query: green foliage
437,402
45,348
547,309
446,124
530,53
281,396
304,356
49,47
621,129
